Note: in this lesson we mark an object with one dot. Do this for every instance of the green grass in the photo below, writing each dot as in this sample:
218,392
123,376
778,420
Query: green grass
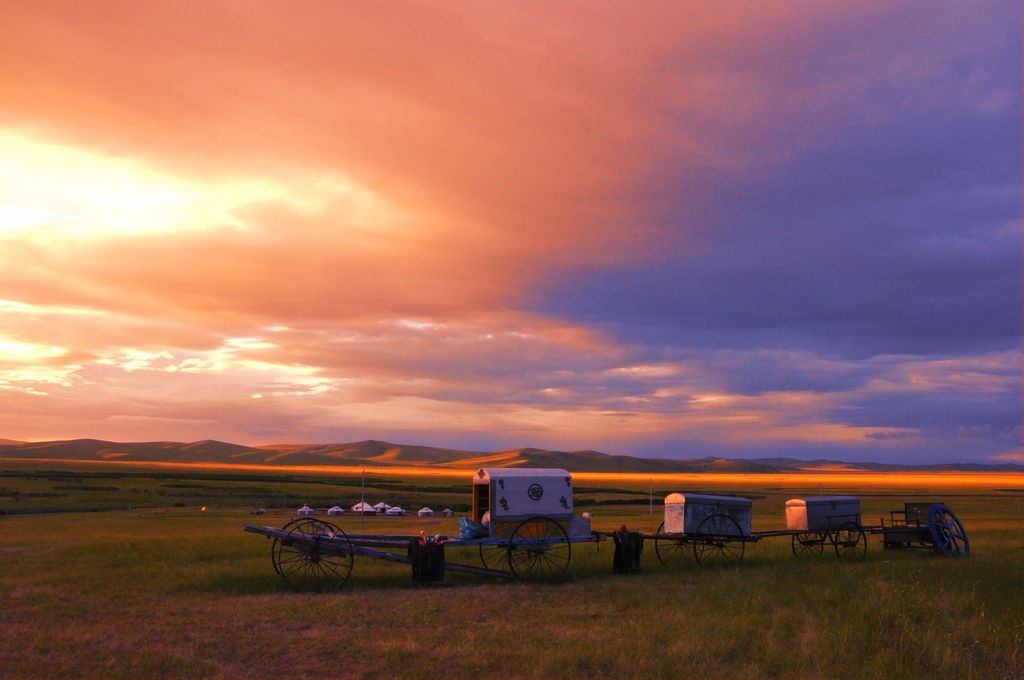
27,488
170,592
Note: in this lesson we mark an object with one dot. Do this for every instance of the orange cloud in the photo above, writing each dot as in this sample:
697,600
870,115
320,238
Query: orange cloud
268,162
269,221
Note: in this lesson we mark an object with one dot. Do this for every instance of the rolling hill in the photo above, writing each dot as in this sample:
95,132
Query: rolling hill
380,453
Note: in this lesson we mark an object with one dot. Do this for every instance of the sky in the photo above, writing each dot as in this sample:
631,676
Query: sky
749,229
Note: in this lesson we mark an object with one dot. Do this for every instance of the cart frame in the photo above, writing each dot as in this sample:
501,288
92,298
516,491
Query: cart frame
931,526
313,552
309,552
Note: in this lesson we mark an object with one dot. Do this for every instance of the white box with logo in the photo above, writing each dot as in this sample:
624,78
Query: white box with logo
516,494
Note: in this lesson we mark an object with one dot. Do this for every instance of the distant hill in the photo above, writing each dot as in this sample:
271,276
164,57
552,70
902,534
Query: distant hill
380,453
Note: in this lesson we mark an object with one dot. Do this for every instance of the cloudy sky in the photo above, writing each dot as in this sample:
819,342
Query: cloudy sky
742,229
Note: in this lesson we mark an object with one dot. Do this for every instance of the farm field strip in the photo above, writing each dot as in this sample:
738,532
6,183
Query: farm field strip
986,480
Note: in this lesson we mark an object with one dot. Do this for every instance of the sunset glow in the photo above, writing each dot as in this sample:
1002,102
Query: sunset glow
831,480
782,229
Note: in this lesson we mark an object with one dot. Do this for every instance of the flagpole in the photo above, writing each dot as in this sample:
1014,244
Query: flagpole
362,497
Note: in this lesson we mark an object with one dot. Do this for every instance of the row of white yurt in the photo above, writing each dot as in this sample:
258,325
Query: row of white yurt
366,508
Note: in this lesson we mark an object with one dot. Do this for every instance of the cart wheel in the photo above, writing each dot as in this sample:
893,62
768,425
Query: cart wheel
494,556
670,550
850,541
719,541
809,544
948,533
539,550
306,561
275,545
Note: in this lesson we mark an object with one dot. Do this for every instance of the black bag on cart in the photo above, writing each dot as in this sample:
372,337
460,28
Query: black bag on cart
629,545
427,561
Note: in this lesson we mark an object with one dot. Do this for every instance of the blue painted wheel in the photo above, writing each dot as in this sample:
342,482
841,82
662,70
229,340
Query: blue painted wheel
948,532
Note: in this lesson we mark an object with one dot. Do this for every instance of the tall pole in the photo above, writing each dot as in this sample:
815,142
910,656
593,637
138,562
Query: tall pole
362,496
650,491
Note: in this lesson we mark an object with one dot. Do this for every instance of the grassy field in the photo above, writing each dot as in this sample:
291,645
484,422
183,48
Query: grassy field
166,590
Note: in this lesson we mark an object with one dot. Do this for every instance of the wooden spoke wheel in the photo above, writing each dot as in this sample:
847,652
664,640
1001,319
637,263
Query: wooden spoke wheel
316,555
719,541
494,556
850,541
948,532
539,550
809,544
671,550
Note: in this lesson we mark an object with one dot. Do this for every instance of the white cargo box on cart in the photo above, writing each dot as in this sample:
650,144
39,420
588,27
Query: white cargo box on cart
684,513
516,494
821,514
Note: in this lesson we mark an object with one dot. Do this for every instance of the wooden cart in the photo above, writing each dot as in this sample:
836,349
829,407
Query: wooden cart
523,544
813,524
530,533
932,526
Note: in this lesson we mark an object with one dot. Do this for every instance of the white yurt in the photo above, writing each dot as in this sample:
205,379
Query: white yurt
394,511
425,512
447,512
305,511
382,507
336,510
364,508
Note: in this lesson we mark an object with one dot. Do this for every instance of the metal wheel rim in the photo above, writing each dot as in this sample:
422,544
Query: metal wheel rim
273,549
808,544
671,551
542,555
850,542
719,542
313,568
948,532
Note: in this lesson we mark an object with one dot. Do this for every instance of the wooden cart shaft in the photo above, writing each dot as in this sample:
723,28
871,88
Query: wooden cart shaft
369,548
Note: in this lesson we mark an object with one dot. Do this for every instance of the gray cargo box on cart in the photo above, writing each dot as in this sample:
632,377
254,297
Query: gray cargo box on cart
821,514
684,512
